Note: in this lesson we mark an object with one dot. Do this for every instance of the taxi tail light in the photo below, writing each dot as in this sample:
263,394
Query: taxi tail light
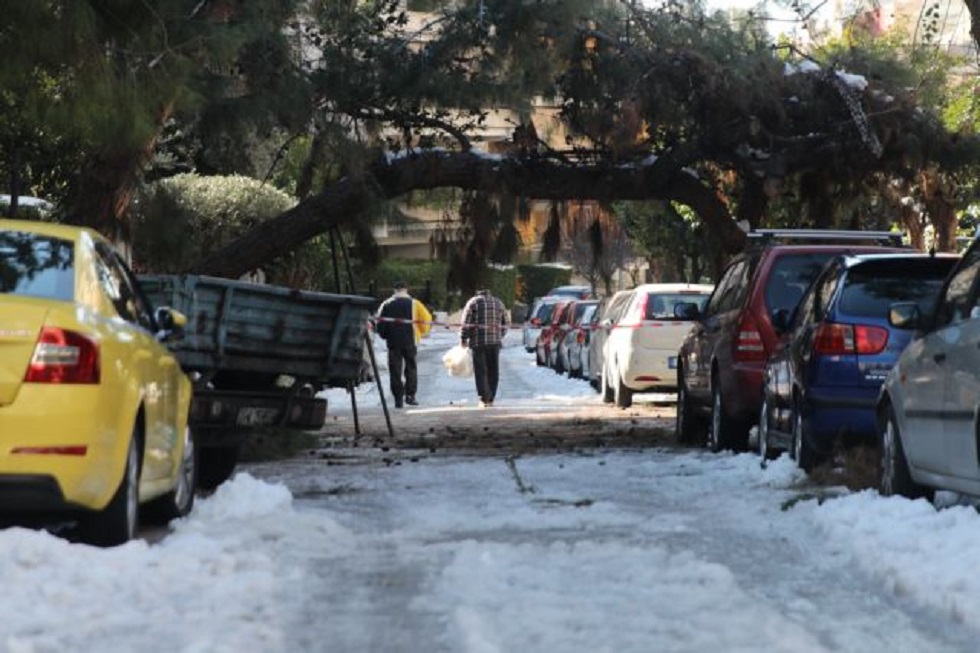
63,356
832,339
748,344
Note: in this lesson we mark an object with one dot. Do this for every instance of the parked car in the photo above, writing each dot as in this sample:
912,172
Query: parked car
603,322
578,343
821,385
563,324
928,408
93,406
574,292
537,317
542,345
723,357
641,352
580,311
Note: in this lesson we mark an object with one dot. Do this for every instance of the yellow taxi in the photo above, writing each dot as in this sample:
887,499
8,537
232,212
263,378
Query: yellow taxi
93,405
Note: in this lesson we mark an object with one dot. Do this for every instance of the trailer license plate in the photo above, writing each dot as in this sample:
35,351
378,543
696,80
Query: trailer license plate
257,416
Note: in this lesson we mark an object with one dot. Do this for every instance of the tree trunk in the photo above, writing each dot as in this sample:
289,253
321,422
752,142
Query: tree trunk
344,202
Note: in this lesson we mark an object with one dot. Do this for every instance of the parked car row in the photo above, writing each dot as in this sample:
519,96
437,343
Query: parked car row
855,339
623,344
882,347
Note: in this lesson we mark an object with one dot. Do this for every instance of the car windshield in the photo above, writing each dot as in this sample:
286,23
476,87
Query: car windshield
544,312
660,306
36,265
869,290
790,277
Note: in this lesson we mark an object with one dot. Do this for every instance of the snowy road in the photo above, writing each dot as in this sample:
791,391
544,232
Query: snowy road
619,550
654,550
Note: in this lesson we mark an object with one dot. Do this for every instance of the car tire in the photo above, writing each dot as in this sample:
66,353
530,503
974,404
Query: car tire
179,501
605,390
689,426
803,453
766,452
216,465
118,522
622,395
724,432
894,477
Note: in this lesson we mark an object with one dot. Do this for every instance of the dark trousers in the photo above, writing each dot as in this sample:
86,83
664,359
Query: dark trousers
486,369
402,360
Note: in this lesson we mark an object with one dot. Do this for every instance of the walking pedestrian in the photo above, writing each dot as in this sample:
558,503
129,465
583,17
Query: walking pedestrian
484,326
402,322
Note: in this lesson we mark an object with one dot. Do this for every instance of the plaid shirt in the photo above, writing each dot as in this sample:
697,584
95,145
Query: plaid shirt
484,320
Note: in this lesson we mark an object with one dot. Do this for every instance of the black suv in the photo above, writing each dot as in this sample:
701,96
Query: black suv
721,362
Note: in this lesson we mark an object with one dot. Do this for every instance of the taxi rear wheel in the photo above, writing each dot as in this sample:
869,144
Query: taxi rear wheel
118,521
179,501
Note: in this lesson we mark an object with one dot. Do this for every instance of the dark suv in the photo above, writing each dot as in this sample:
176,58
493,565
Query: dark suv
721,362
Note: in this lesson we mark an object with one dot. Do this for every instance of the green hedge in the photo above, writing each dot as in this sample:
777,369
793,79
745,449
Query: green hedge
537,280
182,219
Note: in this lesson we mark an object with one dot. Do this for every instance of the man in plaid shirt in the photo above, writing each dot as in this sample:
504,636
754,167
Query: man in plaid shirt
484,325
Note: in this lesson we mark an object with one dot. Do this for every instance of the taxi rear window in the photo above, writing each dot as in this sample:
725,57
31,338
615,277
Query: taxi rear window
34,265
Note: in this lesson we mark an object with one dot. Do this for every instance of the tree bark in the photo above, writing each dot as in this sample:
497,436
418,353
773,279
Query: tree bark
345,202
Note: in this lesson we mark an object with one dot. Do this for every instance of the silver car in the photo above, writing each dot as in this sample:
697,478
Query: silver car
928,417
538,316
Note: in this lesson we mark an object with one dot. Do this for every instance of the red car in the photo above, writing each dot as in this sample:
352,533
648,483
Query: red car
721,362
542,345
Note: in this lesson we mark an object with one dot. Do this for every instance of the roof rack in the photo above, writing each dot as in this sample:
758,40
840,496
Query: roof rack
894,238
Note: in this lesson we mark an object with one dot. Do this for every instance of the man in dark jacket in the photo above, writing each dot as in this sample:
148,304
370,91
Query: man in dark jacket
484,326
402,321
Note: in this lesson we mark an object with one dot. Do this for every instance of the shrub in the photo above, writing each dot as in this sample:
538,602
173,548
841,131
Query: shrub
182,219
537,280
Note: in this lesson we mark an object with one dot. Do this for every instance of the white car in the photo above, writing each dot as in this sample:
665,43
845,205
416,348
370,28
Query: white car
640,352
928,417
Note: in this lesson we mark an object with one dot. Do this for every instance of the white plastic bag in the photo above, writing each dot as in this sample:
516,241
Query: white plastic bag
458,361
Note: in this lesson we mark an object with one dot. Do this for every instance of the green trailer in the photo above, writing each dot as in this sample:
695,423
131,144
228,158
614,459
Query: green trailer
259,355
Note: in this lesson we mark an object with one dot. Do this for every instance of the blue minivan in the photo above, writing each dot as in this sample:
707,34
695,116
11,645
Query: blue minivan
822,381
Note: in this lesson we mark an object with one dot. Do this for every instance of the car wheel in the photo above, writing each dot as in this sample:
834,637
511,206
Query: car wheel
689,425
763,432
118,521
804,454
721,432
894,477
179,501
623,395
606,391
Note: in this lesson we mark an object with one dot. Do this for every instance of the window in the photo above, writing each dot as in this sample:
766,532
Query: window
870,290
790,277
122,288
725,294
37,266
957,300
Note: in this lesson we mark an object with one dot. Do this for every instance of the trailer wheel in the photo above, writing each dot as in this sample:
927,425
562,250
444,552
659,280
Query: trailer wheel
215,465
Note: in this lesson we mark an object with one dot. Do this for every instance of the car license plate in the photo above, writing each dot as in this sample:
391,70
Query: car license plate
257,416
672,362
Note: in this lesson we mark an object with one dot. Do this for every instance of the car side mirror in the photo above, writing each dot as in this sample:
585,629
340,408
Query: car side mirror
905,315
686,311
171,322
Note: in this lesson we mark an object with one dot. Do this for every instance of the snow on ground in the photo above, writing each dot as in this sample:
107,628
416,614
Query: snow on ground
234,575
